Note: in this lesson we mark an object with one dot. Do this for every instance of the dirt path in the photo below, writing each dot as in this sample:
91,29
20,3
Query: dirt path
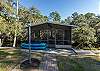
49,63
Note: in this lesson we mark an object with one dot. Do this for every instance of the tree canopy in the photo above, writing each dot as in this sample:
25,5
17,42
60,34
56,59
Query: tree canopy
85,33
55,16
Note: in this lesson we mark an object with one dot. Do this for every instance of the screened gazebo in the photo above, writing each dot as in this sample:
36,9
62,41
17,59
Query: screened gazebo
56,35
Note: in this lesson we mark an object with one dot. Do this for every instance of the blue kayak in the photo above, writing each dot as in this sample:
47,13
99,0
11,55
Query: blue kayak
34,46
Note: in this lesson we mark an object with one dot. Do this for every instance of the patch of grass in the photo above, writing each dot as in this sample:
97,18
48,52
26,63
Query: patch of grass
3,54
78,63
68,64
9,58
6,65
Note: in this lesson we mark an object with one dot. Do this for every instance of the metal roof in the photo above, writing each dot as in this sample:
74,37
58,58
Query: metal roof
62,24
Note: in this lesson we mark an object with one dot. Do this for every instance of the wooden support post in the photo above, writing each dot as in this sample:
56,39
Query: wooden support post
30,43
47,37
63,39
55,38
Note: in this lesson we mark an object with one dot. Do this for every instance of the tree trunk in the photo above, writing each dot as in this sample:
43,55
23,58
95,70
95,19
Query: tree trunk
14,44
0,41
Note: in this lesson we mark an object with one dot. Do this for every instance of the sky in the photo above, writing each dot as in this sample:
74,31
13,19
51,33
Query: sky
64,7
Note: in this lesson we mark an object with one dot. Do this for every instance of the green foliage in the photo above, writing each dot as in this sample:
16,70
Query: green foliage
6,5
68,20
55,16
85,33
2,24
31,15
74,15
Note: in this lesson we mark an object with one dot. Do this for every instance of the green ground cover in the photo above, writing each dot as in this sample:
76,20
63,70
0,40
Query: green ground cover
78,63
